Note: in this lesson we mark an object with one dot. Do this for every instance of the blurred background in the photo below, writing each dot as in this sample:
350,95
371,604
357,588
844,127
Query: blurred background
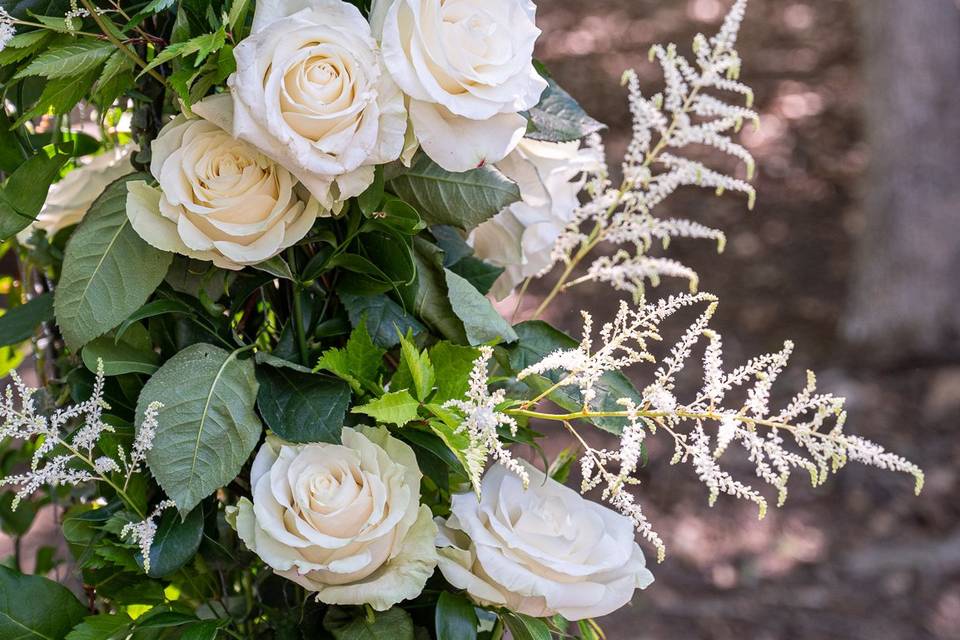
853,251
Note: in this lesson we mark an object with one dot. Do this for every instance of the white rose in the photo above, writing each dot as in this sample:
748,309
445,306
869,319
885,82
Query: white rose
220,199
540,551
344,520
68,200
467,66
521,237
310,91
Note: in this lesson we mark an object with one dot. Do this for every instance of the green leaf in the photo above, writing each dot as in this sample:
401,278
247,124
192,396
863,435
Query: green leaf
207,426
536,340
204,630
175,543
20,323
371,199
116,77
24,45
70,59
60,96
456,618
25,191
558,117
480,273
385,319
523,627
131,353
394,624
102,627
358,363
302,407
108,270
453,365
459,199
415,371
481,321
397,408
428,299
32,607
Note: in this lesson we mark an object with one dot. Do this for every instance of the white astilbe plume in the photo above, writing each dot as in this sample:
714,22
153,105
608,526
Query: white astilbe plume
7,28
481,420
69,458
693,111
142,533
806,434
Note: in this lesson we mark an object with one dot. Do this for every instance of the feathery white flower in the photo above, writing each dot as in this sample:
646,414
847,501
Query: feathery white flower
7,28
143,533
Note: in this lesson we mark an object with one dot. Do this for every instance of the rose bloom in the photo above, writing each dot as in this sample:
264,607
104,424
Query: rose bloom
521,237
467,66
344,520
220,199
541,551
69,200
310,91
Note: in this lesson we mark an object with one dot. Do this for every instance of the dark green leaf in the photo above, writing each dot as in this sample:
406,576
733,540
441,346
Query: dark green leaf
523,627
459,199
394,624
131,353
371,199
108,270
25,191
61,95
428,299
456,618
481,274
102,627
205,630
558,117
207,426
385,319
302,407
32,607
176,542
20,323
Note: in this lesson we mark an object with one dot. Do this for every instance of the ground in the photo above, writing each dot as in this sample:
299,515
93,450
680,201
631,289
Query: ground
861,557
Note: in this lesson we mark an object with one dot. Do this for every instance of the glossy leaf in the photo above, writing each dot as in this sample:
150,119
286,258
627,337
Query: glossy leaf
32,607
302,407
20,323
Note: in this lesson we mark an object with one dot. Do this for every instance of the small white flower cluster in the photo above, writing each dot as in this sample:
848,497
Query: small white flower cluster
813,421
481,422
61,458
683,115
7,28
142,533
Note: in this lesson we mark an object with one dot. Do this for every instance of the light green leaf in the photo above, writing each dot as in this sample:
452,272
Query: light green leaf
117,74
481,321
415,371
459,199
20,323
207,424
34,608
397,408
358,363
453,365
302,407
70,59
394,624
108,270
131,353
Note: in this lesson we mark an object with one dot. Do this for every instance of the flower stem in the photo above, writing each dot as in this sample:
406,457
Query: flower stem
127,51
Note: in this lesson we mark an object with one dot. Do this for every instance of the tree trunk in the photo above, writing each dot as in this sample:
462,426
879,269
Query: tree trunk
904,304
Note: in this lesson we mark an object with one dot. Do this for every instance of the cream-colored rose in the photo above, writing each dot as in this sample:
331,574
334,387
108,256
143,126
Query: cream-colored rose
467,66
540,551
219,198
310,91
68,200
521,237
344,520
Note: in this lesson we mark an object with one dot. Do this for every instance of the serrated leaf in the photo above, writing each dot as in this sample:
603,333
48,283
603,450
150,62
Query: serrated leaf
453,364
481,322
117,74
32,607
302,407
60,96
20,323
358,363
415,372
458,199
108,270
207,426
397,408
394,624
24,45
70,59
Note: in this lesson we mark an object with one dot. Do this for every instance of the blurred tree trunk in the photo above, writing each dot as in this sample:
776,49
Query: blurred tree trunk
905,296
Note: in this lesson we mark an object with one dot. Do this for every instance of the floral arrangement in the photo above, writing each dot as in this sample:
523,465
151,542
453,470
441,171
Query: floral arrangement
258,247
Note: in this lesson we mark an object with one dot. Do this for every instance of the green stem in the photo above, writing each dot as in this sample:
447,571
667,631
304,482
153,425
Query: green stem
117,488
298,327
127,51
